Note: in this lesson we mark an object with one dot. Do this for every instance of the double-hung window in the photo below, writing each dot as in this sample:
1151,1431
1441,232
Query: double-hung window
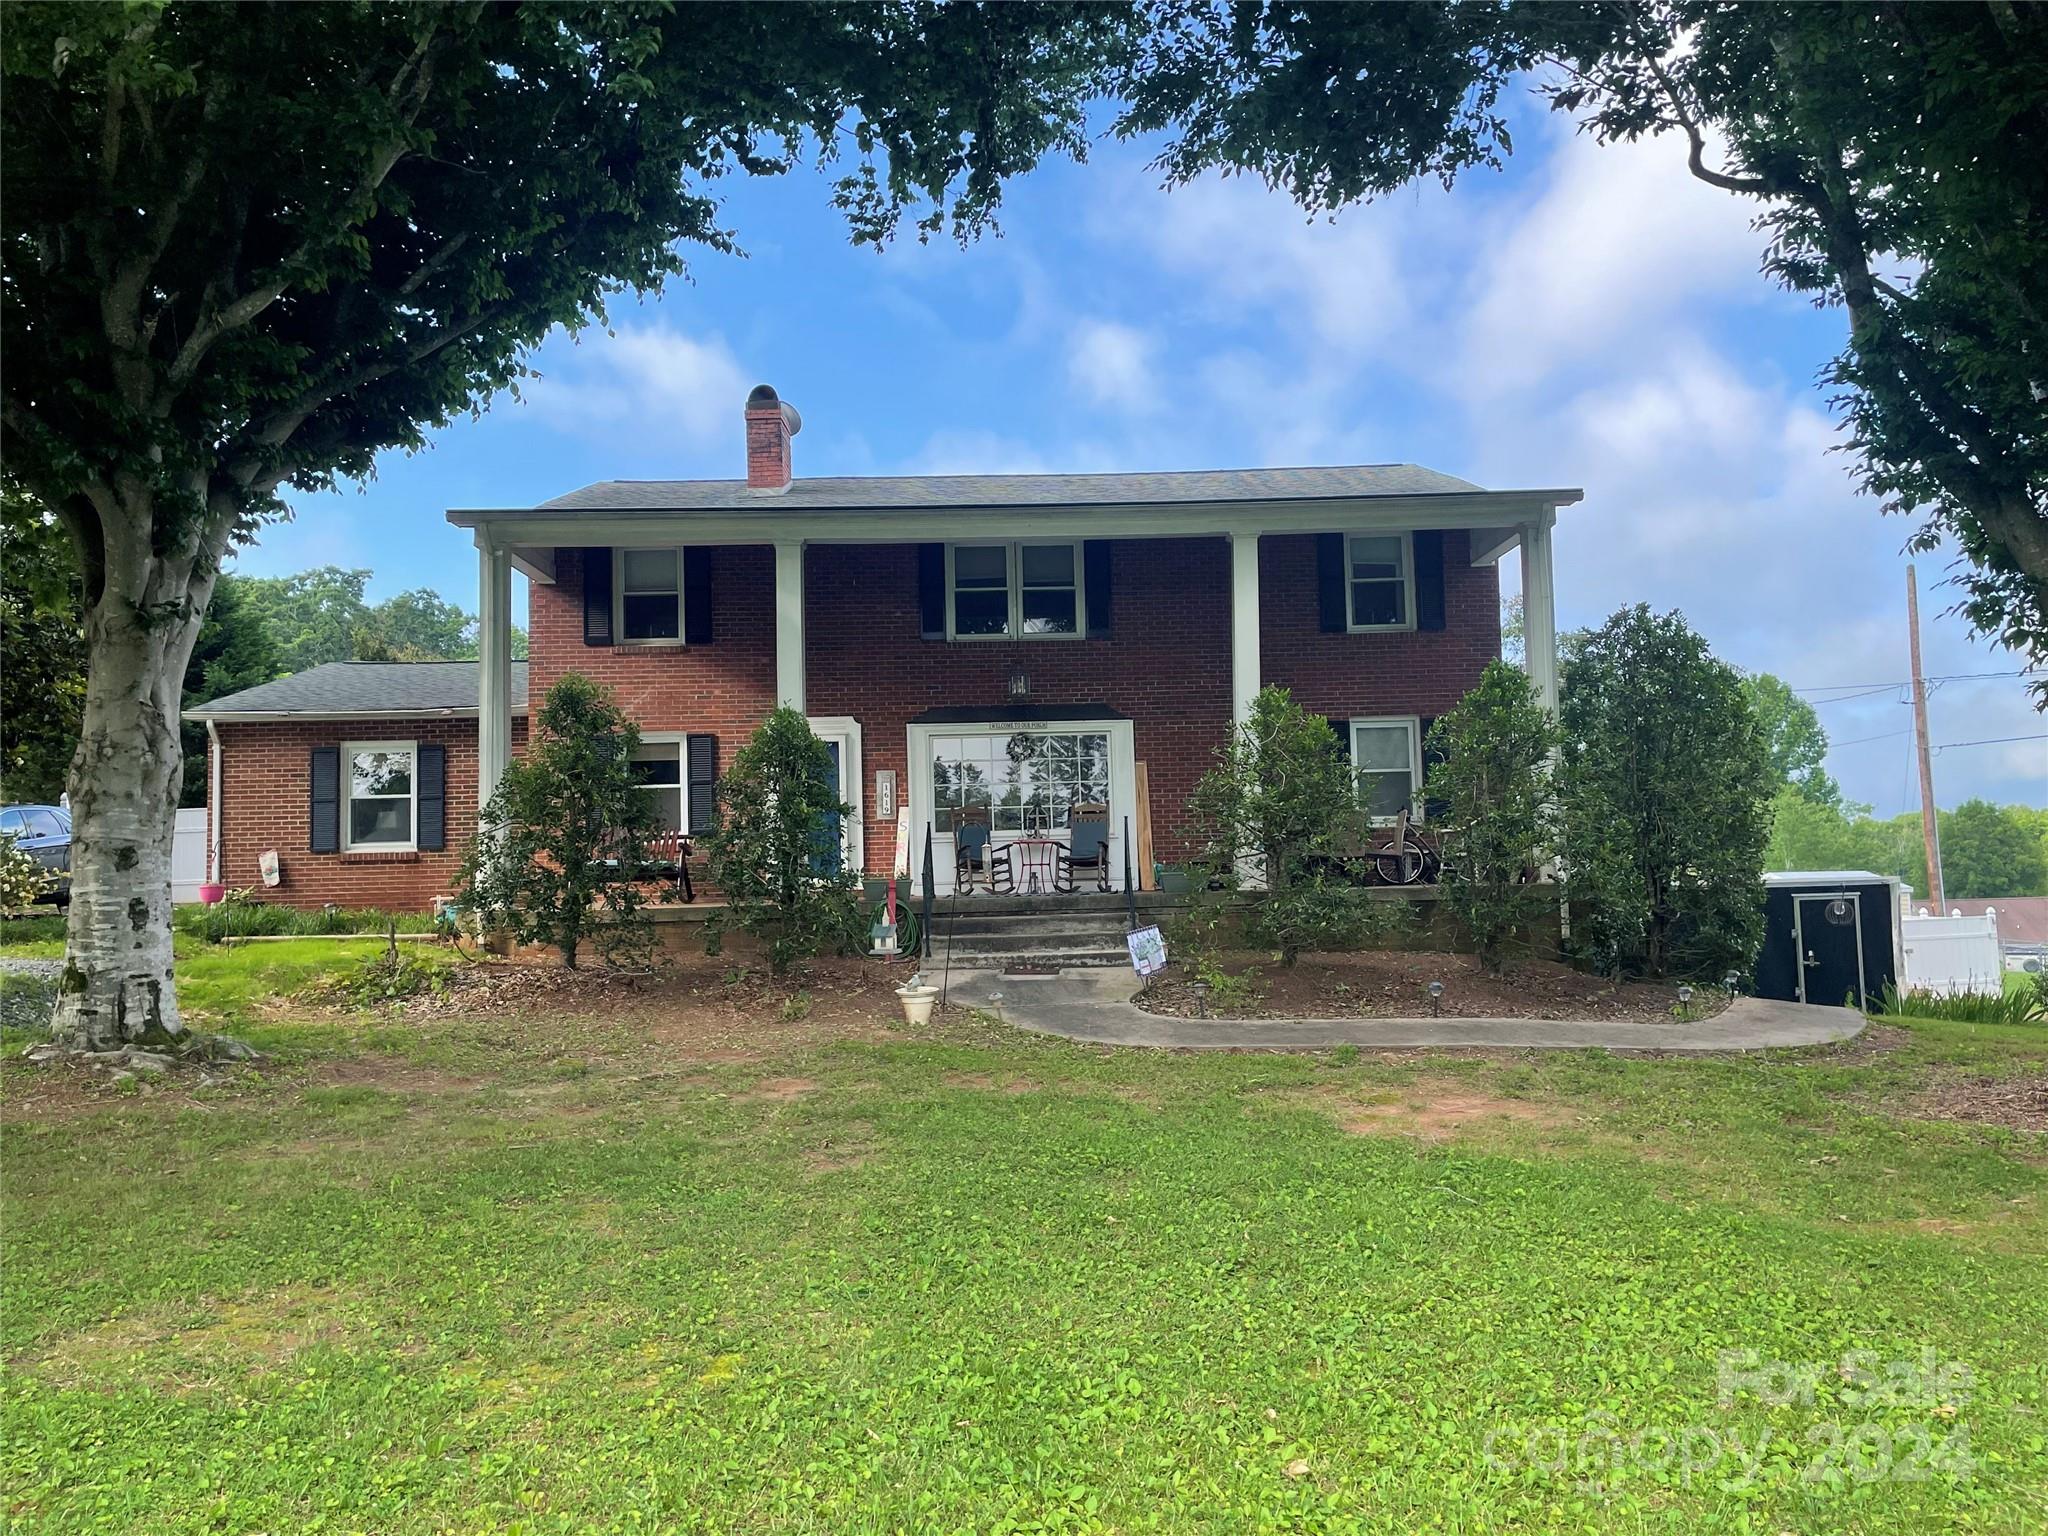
1380,572
1386,756
658,771
382,796
649,583
1012,591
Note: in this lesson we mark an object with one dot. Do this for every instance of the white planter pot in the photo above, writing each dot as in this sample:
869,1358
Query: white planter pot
917,1003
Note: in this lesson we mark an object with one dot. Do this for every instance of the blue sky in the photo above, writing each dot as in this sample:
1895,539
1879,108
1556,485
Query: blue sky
1591,317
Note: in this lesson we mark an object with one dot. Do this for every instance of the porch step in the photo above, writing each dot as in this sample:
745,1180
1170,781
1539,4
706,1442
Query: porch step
986,937
1037,959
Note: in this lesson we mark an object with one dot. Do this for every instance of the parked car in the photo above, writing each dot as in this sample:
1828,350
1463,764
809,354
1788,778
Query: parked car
45,831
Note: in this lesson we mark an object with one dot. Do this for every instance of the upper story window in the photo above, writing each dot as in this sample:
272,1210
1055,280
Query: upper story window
1386,756
1381,572
382,796
1013,591
649,584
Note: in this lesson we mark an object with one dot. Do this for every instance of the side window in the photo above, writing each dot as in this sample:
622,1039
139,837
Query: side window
658,770
42,823
1386,758
10,823
380,795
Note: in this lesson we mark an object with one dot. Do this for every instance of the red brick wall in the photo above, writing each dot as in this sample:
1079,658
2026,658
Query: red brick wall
264,769
1167,666
726,687
1407,673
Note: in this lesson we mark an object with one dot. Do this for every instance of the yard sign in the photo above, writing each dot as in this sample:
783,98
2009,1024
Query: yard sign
1148,950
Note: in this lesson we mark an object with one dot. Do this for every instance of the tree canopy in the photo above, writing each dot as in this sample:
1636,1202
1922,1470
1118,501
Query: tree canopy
251,248
1794,742
1897,156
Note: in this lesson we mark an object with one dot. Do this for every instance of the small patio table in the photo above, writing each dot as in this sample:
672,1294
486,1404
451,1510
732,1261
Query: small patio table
1038,855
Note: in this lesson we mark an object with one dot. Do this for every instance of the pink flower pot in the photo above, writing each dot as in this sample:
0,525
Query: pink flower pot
212,895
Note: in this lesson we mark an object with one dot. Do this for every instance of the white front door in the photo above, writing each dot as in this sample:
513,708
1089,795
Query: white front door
1025,778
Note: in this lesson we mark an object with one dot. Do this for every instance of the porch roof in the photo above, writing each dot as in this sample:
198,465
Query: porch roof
876,493
1016,714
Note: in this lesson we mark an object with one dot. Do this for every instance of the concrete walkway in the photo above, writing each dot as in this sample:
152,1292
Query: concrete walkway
1093,1006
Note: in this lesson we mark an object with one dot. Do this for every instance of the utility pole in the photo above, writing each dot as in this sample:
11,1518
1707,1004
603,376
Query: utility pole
1930,831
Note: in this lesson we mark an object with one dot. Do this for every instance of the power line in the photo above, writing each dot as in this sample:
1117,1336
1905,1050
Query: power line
1949,677
1990,741
1860,740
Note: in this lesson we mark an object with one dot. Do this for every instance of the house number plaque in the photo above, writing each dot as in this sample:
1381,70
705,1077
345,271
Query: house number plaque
885,794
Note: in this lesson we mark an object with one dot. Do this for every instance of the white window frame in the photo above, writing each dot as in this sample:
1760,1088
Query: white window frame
349,749
1407,539
1412,724
1013,569
680,741
619,553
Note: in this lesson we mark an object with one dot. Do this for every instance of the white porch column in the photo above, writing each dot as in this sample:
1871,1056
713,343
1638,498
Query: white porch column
494,651
1244,625
1539,609
789,624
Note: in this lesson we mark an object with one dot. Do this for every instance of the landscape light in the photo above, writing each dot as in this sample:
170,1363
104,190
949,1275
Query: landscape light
1684,995
1201,999
1436,992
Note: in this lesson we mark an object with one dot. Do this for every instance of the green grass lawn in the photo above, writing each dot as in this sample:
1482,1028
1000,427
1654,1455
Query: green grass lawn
539,1273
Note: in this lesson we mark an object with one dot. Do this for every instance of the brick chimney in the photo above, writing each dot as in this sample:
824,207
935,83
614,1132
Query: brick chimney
771,423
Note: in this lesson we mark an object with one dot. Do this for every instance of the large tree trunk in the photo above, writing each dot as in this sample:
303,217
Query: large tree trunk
117,988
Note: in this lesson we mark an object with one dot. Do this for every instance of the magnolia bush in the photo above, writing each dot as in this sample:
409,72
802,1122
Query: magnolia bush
775,851
1490,789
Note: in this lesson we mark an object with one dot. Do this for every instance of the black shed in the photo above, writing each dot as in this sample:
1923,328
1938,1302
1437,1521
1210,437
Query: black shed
1830,937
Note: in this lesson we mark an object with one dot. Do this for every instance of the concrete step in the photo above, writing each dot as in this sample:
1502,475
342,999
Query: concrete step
1030,944
1078,955
964,923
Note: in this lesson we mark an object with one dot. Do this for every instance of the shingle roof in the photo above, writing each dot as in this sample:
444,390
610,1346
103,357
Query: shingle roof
365,688
876,492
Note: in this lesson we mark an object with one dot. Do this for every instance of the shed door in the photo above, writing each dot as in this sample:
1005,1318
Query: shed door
1828,928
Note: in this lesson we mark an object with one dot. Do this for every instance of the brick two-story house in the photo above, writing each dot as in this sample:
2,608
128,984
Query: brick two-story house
1022,641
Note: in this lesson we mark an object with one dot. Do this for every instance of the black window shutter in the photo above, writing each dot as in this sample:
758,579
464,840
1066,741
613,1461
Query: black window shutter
431,835
1095,576
701,753
931,591
324,815
1429,578
1331,584
597,596
697,596
1432,754
1342,729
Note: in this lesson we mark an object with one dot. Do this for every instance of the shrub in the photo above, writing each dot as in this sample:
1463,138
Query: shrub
561,846
1493,781
1664,792
22,880
1271,811
772,852
242,916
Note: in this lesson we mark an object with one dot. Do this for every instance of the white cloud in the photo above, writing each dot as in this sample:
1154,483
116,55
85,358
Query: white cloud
643,382
1615,244
1110,363
969,451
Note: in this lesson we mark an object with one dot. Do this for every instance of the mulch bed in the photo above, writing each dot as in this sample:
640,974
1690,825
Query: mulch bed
2017,1103
1394,984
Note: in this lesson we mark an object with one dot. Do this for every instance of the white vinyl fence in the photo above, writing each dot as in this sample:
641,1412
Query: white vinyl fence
188,855
1946,955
